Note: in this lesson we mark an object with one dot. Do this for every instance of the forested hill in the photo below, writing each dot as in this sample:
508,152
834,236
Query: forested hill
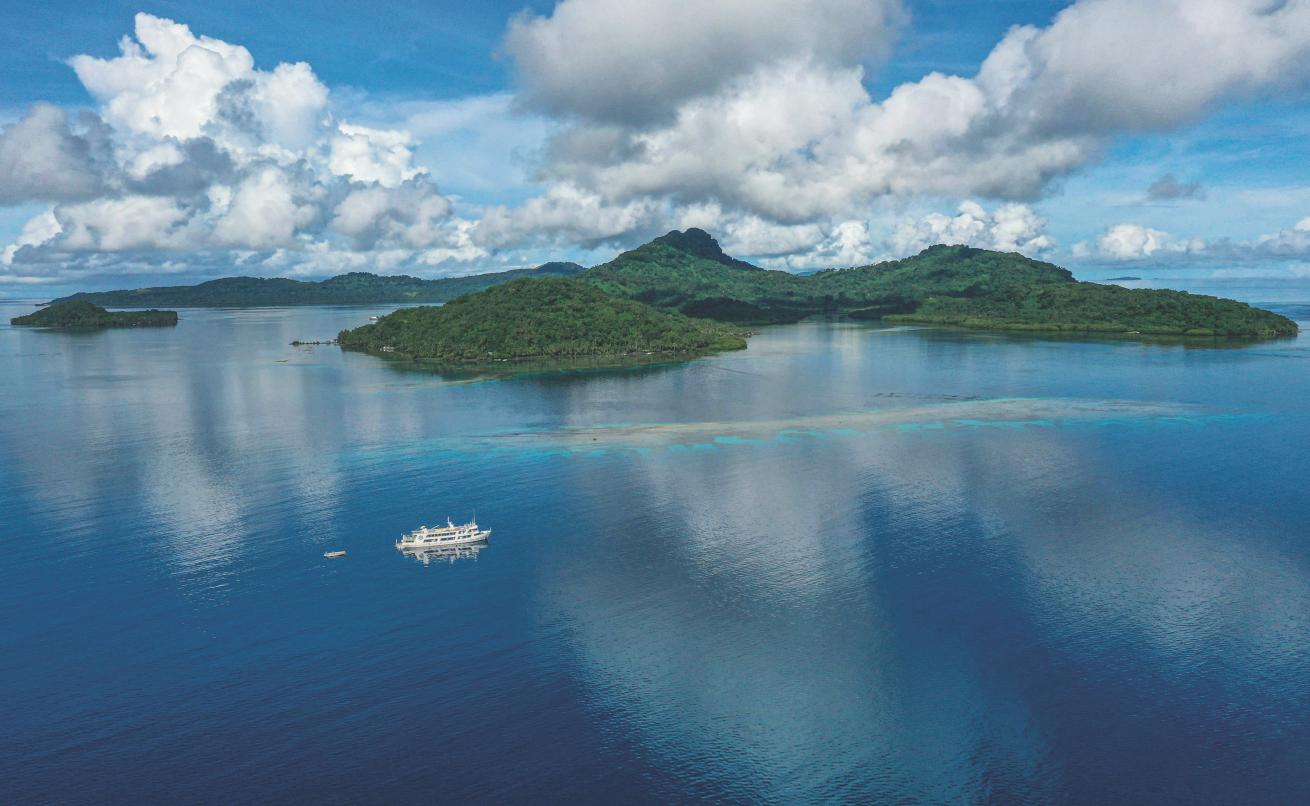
539,319
355,288
83,315
688,272
959,285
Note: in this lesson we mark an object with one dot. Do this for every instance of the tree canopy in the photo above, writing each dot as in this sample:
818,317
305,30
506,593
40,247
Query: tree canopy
538,319
80,314
355,288
958,285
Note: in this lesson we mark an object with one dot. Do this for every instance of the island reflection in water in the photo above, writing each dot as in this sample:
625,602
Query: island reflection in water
849,563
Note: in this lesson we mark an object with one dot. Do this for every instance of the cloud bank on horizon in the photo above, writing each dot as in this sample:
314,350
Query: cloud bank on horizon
750,118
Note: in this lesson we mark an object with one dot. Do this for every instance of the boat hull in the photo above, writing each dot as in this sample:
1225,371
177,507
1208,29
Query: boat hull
476,537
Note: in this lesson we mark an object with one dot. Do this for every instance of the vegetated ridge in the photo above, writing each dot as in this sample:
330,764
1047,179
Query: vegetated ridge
355,288
956,285
83,315
527,318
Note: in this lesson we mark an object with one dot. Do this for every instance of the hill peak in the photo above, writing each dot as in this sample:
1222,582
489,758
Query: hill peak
560,267
699,243
959,249
1008,267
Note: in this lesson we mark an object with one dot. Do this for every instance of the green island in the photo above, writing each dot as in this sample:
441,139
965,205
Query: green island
533,319
948,285
681,295
687,271
1109,309
83,315
355,288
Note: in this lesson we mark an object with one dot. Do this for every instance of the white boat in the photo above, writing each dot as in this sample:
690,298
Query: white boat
426,537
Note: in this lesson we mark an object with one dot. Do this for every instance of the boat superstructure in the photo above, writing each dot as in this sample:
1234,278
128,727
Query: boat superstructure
426,537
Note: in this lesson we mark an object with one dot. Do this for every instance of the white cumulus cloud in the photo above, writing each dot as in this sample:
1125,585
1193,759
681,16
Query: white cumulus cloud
1293,242
263,212
638,60
412,214
1128,242
788,132
1009,228
372,155
195,148
43,159
36,231
564,214
166,81
751,118
122,223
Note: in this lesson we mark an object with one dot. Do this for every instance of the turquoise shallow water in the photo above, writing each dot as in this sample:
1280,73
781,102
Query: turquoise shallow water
850,563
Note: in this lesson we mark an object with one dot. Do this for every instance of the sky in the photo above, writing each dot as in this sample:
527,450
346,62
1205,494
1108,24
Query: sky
170,142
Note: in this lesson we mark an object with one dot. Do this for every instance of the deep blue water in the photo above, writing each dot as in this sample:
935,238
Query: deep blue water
847,564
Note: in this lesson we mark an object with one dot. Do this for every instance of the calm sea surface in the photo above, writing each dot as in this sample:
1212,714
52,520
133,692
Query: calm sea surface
850,564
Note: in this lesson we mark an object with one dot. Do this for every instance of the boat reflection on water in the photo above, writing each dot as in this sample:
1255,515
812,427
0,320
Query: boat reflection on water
448,554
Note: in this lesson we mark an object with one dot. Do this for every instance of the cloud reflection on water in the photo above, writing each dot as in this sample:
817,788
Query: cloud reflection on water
830,595
855,587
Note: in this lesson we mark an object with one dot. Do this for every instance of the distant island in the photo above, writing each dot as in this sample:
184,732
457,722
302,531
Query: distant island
1122,279
539,319
680,294
689,272
1108,309
355,288
951,285
83,315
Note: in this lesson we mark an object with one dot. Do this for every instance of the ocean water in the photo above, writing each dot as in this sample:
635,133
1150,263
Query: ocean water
851,563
